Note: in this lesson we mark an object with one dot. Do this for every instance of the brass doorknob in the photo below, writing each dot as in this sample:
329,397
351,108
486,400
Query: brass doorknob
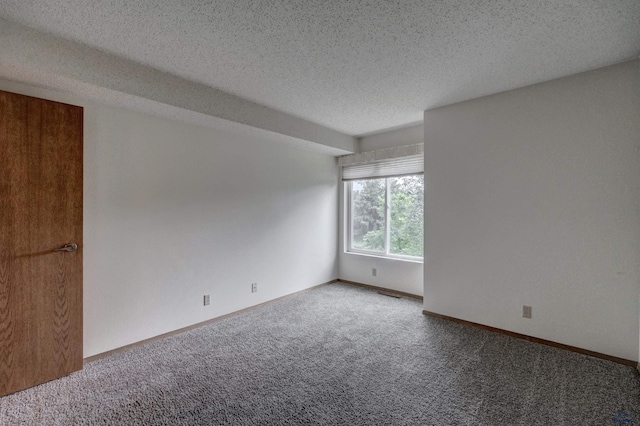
68,247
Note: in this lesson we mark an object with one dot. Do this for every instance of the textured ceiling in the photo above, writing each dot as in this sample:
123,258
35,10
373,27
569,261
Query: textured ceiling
354,66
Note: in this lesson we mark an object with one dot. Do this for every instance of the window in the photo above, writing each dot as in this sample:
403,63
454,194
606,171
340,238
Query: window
385,216
385,201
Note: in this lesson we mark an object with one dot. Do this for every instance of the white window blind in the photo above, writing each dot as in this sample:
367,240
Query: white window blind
399,161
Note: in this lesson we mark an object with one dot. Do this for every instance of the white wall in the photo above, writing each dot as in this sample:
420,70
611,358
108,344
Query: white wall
393,274
401,136
173,211
533,197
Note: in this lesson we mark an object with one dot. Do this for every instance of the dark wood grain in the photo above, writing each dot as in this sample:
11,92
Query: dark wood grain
41,210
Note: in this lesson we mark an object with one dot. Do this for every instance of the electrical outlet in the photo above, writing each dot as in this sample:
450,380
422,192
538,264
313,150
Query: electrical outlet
374,272
207,299
526,311
254,287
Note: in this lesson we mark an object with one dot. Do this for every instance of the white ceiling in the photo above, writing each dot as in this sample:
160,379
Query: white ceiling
355,66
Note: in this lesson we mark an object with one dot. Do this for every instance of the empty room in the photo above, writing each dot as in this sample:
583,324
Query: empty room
319,212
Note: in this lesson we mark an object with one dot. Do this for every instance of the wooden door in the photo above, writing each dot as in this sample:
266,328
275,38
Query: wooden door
40,211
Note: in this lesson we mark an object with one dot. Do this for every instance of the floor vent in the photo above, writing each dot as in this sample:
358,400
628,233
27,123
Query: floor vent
395,296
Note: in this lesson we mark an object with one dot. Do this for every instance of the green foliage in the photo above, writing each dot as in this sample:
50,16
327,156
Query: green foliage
368,214
406,224
407,206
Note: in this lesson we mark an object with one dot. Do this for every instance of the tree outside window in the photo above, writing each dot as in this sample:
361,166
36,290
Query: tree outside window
386,216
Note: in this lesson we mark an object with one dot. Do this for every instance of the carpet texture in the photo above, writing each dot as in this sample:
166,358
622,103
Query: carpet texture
336,355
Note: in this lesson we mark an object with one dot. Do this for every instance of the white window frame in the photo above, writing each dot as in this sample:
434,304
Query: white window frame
348,185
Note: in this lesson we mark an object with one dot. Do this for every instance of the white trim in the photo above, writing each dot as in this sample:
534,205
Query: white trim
411,259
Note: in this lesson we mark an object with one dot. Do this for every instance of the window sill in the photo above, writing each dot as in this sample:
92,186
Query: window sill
396,259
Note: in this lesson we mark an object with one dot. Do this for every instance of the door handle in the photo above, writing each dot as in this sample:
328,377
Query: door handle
68,247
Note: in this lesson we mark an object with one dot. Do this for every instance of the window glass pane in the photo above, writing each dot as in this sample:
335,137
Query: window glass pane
367,214
407,203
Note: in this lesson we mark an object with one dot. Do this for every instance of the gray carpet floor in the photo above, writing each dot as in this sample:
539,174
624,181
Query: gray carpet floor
336,355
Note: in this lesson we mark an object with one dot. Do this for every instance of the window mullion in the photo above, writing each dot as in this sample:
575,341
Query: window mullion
387,217
350,214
